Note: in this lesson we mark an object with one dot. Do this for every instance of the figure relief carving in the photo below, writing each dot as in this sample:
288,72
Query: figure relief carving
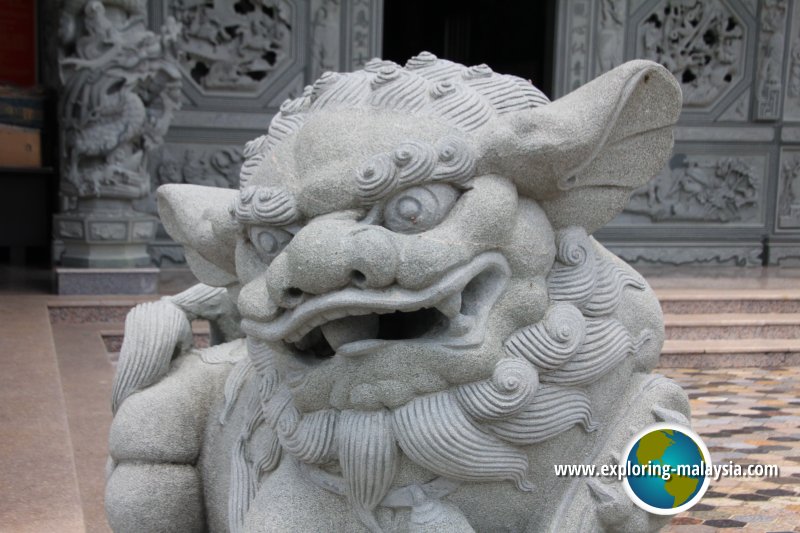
121,89
577,53
700,188
415,321
789,194
233,45
107,231
700,42
611,38
325,28
770,55
361,20
70,229
794,70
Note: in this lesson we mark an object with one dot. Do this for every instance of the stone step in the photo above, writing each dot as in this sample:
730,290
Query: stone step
732,326
711,301
717,353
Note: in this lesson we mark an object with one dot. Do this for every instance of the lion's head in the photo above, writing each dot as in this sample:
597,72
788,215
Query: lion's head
409,251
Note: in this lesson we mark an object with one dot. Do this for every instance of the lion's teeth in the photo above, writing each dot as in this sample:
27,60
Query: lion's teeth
450,306
350,329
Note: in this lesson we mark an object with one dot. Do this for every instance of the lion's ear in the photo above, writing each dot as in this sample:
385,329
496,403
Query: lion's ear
582,155
199,219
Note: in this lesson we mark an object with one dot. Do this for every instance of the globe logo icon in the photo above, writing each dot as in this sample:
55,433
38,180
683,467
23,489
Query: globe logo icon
667,469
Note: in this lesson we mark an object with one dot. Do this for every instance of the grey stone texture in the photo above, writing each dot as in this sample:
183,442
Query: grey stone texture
120,89
238,65
428,325
106,280
729,195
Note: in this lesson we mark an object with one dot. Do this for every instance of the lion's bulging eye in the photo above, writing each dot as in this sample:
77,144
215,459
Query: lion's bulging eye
420,208
268,242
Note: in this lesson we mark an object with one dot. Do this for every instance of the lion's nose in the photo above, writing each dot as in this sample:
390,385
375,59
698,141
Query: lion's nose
328,255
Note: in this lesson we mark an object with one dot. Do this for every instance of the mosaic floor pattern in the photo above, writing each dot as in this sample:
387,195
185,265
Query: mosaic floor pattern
748,416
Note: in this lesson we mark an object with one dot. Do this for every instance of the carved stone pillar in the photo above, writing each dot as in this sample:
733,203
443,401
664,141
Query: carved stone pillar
121,88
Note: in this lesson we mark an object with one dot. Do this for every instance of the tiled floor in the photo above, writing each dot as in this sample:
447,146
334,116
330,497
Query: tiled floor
55,380
748,416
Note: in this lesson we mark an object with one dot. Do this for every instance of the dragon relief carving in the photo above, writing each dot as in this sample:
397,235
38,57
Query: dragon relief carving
233,46
121,89
427,323
700,42
699,188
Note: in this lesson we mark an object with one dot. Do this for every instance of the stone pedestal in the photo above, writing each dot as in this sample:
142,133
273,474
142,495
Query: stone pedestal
121,87
105,233
70,281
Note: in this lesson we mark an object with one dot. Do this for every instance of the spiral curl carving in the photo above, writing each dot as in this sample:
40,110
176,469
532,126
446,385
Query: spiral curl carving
510,389
477,71
442,89
265,205
457,161
435,433
608,342
385,75
553,410
548,344
414,161
377,177
573,277
421,60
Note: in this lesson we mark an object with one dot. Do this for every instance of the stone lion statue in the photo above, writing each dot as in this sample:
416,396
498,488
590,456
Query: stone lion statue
411,321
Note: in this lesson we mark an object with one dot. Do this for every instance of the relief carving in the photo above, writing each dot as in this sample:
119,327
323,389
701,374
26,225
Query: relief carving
680,254
701,43
789,199
195,166
700,188
70,229
428,324
578,43
361,36
611,39
794,70
108,231
212,168
325,26
770,56
233,45
121,89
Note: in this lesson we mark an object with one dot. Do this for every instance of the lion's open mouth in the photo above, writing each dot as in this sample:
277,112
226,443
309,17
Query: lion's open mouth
352,321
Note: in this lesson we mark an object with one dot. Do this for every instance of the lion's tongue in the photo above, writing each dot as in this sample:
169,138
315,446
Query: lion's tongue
350,329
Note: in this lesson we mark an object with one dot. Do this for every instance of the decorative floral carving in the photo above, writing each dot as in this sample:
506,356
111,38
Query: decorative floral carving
211,168
700,42
702,189
233,45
